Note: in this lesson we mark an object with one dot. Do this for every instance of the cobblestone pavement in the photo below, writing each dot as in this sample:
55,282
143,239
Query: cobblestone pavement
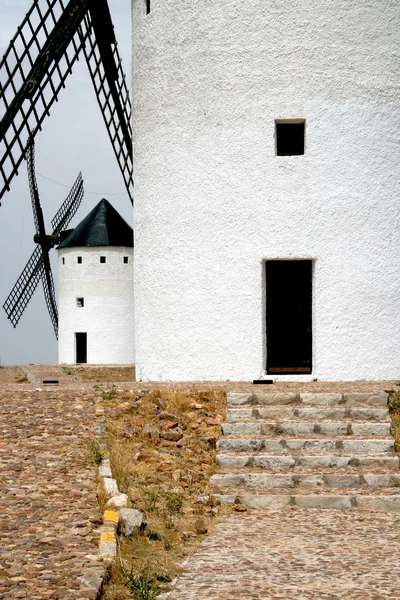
49,521
314,554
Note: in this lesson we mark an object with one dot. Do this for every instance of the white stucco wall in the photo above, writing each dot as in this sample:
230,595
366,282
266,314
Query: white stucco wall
213,202
107,314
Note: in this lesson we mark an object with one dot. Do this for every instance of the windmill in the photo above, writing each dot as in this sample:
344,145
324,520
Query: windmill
33,71
35,68
38,266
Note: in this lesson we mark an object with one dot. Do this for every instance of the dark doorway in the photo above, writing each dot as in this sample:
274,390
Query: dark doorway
81,347
289,297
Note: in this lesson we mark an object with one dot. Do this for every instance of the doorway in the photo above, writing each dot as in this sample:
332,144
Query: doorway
81,347
289,315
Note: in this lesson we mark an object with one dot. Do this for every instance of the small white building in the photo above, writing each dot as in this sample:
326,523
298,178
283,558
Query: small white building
95,290
267,189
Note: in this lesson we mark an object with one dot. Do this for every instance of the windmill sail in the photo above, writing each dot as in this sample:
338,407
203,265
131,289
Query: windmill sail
36,65
38,266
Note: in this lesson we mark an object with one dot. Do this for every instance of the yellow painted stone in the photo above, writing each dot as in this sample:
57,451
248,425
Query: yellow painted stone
107,537
110,516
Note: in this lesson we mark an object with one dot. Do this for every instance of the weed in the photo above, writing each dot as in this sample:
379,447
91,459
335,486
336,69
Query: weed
151,499
66,370
95,454
22,379
173,502
142,587
153,536
109,394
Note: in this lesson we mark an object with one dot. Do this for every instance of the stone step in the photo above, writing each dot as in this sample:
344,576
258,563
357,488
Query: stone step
306,446
336,461
303,480
285,413
293,428
346,500
377,399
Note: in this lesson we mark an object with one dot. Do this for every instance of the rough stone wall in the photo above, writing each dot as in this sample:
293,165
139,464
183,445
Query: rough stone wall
107,314
213,201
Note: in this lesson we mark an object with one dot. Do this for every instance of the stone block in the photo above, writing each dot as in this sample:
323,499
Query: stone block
275,399
273,462
110,486
372,503
240,445
343,481
236,399
232,461
321,399
130,521
241,428
266,501
371,429
239,414
368,446
230,480
119,500
378,398
324,501
105,468
268,480
311,481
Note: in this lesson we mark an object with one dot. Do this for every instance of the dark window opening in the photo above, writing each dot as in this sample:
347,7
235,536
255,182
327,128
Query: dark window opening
79,260
81,347
126,260
80,302
290,139
63,261
148,6
102,259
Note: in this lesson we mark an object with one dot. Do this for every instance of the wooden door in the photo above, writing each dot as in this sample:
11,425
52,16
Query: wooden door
289,314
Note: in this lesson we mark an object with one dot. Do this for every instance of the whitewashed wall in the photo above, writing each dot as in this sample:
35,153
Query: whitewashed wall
107,315
213,202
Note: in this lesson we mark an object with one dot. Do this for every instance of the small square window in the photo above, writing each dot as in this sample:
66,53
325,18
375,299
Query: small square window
63,260
79,260
126,260
289,138
102,259
80,302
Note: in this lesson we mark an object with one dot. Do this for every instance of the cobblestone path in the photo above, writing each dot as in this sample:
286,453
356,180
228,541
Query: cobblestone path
296,554
49,518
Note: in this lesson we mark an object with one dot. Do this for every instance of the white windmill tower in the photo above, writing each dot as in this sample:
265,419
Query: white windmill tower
95,275
267,184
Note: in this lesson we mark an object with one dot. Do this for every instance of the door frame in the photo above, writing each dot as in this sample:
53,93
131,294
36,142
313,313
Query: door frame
313,261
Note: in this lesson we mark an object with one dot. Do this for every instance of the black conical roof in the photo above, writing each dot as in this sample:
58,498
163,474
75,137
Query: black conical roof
102,227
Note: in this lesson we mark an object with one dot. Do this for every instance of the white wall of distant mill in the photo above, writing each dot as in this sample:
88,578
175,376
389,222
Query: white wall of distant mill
107,314
213,202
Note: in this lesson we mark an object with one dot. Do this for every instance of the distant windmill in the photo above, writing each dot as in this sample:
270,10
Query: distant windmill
38,266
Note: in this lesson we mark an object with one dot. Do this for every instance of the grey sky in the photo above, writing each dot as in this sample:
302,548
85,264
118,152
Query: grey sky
73,139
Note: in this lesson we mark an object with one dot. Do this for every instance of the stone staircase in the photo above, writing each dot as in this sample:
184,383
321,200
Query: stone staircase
310,450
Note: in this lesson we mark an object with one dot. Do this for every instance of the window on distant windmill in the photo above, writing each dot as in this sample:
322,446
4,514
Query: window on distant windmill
80,302
102,259
289,137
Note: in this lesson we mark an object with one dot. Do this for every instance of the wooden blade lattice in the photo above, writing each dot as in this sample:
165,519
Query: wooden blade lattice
19,297
69,207
105,67
32,73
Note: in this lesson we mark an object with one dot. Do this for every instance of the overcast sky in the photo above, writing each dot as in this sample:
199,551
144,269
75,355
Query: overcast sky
73,139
